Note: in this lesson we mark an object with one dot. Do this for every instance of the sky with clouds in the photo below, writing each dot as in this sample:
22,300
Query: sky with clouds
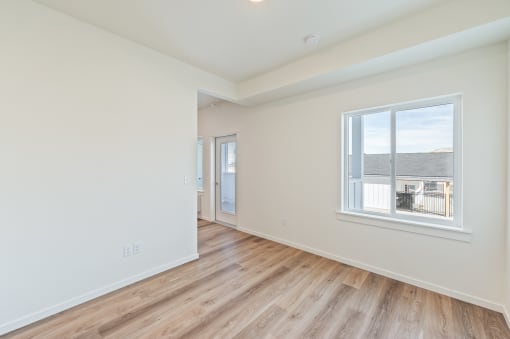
418,130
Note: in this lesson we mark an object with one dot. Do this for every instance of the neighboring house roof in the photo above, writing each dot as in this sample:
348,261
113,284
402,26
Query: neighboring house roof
417,165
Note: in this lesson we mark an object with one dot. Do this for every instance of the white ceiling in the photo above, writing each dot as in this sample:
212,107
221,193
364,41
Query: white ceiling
237,39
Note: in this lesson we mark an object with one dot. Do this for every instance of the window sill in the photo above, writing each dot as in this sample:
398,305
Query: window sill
432,230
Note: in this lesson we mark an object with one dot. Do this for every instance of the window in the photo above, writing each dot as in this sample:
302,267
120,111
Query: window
402,162
228,151
432,186
200,167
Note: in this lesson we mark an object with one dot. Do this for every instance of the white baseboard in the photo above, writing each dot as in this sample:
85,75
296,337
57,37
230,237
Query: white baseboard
49,311
393,275
226,224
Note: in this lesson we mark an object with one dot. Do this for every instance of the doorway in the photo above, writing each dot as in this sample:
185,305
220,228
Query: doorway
226,179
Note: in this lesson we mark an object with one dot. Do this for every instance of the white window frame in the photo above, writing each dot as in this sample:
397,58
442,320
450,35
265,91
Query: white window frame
405,222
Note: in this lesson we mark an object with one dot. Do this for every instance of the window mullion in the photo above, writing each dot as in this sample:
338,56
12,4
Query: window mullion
393,200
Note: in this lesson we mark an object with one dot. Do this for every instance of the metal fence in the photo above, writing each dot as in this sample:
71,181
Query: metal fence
435,203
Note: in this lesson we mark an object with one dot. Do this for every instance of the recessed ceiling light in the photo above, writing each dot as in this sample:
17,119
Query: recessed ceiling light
256,0
312,40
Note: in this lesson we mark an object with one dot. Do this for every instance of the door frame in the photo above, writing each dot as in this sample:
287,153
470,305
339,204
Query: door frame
214,192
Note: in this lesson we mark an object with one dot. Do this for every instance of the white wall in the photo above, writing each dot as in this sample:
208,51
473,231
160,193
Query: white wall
96,136
288,169
507,284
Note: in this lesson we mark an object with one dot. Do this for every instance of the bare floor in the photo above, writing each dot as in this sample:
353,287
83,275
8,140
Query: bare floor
247,287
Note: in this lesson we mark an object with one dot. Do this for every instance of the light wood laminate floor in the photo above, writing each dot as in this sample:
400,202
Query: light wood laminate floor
247,287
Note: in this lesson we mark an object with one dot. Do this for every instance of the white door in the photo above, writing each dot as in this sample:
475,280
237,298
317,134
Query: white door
226,154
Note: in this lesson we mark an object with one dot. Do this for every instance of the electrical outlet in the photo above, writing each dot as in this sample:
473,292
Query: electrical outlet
137,248
127,251
284,222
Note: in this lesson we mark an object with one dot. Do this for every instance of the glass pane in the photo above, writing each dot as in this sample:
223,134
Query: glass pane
200,180
228,177
424,161
369,162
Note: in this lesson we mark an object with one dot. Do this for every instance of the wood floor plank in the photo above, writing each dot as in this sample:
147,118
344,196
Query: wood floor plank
316,266
386,312
191,306
326,318
437,316
495,326
242,314
201,324
195,287
259,327
303,310
467,319
348,326
410,316
248,287
212,308
355,278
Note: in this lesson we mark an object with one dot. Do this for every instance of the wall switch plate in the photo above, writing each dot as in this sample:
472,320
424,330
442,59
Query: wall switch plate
186,180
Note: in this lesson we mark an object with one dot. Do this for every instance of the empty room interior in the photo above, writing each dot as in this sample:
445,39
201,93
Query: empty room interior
254,169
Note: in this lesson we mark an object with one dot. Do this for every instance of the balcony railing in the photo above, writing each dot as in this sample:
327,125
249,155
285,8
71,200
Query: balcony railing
434,203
